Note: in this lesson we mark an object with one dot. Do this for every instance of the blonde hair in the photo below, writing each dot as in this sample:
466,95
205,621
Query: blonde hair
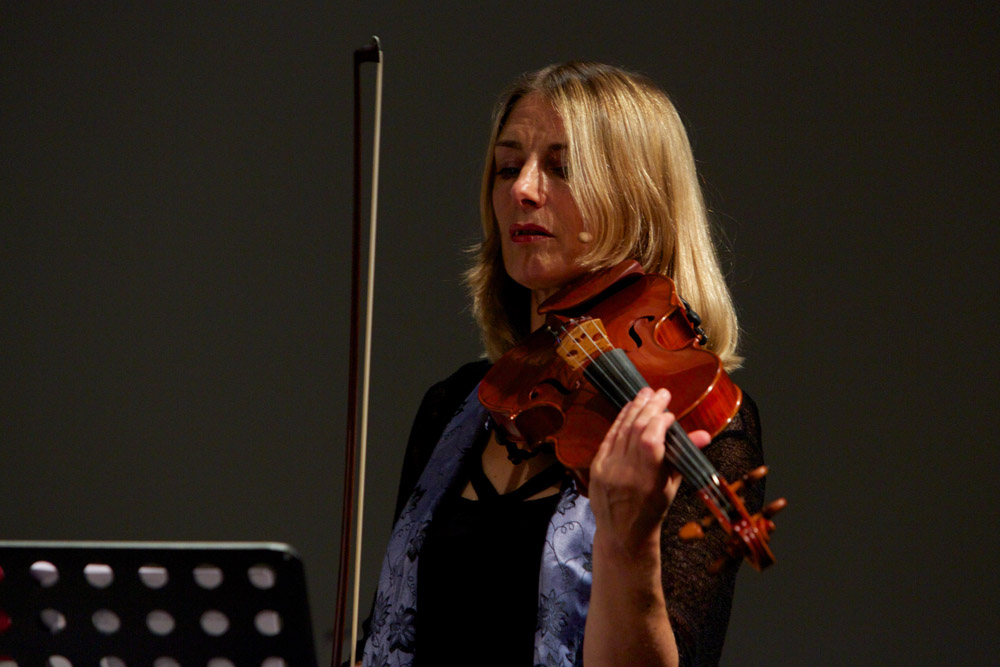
633,177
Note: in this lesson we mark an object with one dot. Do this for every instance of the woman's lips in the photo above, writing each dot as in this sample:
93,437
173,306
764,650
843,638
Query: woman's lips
527,232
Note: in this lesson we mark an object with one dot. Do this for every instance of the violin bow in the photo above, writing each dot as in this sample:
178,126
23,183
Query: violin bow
371,52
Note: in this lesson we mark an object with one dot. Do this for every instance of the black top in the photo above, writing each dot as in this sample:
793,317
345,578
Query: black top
483,550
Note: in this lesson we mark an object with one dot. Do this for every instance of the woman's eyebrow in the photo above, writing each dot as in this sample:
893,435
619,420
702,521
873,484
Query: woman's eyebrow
510,143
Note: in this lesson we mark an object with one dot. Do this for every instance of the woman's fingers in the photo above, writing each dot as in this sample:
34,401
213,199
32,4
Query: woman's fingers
673,483
649,425
617,437
700,438
639,429
632,486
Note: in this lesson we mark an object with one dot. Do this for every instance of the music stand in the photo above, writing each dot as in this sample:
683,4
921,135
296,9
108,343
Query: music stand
119,604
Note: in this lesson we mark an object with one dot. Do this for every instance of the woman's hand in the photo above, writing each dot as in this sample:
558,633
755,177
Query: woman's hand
631,483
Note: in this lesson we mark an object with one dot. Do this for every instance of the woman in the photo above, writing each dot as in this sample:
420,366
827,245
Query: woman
496,557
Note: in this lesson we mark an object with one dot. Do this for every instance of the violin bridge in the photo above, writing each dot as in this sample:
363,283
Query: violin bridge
582,341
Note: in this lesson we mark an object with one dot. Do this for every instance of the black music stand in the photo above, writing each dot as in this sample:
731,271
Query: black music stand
119,604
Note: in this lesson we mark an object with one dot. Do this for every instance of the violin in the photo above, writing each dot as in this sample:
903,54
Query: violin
606,336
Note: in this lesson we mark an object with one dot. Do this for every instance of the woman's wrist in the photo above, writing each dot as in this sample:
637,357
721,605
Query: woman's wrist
628,621
633,568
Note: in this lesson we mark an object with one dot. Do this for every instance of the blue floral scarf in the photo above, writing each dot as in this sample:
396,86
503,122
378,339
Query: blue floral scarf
564,579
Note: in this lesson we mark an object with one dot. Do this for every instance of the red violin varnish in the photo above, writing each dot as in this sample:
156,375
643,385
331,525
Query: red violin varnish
606,337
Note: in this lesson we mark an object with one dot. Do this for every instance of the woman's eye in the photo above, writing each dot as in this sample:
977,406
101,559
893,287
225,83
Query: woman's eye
560,170
508,172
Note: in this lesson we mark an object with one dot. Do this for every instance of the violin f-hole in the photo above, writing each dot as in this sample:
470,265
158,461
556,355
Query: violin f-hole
633,333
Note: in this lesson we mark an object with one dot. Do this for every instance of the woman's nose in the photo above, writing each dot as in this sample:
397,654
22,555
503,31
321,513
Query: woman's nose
528,189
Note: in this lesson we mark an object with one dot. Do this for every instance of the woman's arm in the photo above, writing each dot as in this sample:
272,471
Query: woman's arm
631,489
697,602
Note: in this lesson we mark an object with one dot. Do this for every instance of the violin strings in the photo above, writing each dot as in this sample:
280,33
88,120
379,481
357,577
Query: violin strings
615,374
618,370
683,453
680,450
600,376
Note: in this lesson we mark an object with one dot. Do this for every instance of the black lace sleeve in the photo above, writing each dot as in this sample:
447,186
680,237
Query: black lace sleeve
699,602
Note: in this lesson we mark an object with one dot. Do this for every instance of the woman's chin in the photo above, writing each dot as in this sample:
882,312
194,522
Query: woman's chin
544,279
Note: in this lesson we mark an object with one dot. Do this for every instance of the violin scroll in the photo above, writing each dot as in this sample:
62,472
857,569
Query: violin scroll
748,535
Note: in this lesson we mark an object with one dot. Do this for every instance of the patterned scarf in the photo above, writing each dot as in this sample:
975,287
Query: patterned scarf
564,579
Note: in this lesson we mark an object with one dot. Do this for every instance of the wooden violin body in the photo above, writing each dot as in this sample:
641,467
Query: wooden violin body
607,336
540,400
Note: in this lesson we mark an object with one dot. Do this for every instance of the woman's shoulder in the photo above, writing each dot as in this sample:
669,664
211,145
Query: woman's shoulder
439,405
457,386
738,449
747,418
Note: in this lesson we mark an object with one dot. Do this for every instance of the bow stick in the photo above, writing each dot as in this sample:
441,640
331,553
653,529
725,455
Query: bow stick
372,52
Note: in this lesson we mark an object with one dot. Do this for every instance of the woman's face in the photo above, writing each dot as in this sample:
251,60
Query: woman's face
539,222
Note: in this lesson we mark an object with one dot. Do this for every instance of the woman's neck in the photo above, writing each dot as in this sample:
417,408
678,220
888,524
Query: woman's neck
537,298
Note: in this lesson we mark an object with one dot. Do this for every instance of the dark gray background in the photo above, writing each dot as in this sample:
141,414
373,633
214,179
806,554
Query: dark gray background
174,275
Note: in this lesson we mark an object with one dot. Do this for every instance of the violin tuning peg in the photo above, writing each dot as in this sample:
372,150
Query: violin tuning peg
690,531
717,565
750,477
774,507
